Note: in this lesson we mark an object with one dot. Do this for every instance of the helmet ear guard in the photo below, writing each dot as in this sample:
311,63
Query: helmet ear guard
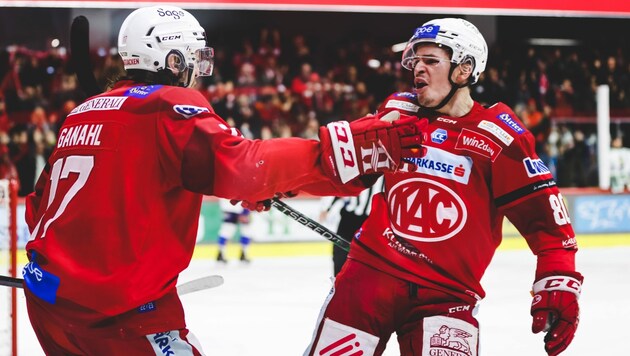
175,62
467,66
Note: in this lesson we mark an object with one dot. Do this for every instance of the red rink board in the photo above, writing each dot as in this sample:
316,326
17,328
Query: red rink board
617,8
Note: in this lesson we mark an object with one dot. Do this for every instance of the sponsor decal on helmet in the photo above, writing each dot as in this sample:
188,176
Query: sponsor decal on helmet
189,111
439,136
426,31
131,61
142,91
508,120
170,13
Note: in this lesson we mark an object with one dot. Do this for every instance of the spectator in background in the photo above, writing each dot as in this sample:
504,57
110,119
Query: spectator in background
577,158
619,166
31,79
7,168
610,74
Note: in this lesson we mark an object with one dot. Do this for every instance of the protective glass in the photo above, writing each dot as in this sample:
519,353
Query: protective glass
204,58
411,61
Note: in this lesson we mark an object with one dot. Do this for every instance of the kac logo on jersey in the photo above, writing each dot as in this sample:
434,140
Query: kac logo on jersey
439,136
508,120
189,111
142,91
423,209
535,167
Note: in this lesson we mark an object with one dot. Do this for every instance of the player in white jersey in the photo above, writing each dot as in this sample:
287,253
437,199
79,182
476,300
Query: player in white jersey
235,219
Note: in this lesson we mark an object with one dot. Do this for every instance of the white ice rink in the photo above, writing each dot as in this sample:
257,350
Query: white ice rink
269,308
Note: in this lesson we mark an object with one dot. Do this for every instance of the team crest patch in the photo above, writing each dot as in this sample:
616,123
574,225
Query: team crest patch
189,111
449,336
439,136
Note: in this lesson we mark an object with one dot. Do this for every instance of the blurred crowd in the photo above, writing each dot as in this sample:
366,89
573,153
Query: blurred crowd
278,85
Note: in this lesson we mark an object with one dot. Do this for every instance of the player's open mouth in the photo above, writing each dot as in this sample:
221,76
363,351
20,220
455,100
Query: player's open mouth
419,85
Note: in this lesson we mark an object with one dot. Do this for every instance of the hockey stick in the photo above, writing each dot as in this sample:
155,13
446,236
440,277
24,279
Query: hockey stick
200,284
11,282
310,223
80,56
182,289
80,59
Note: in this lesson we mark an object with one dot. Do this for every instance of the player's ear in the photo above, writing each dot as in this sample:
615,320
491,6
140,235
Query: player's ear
465,71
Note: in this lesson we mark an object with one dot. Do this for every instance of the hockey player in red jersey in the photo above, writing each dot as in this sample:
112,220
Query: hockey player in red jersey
113,220
415,265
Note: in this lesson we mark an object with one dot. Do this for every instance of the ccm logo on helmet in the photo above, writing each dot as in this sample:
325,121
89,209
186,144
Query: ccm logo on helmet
175,14
167,38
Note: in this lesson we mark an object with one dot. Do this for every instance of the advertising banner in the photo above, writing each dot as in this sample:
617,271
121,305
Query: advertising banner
601,213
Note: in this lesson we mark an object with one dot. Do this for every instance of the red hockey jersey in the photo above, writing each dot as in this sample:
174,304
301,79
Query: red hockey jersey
115,217
440,226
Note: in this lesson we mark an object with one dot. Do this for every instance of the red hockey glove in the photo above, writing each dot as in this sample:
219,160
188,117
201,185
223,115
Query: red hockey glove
371,144
555,310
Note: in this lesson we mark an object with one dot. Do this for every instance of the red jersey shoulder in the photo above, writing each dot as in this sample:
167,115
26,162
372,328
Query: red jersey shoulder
405,102
506,118
183,103
174,102
499,123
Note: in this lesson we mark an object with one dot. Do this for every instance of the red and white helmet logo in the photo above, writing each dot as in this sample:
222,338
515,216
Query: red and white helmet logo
425,210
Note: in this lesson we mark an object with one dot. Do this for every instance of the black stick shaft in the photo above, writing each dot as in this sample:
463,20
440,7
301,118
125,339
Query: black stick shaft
310,224
80,56
11,282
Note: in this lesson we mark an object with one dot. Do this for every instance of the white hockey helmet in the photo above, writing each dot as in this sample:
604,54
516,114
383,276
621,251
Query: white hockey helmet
164,37
461,36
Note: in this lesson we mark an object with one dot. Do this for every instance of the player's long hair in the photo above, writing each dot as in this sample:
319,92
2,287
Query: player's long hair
163,77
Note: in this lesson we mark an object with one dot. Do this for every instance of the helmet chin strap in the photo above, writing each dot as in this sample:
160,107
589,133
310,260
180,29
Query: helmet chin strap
449,96
186,78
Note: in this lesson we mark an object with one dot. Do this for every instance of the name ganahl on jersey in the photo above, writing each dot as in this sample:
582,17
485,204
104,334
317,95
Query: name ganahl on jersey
423,209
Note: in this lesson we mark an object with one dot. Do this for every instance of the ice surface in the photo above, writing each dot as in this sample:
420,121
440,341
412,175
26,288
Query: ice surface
269,307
